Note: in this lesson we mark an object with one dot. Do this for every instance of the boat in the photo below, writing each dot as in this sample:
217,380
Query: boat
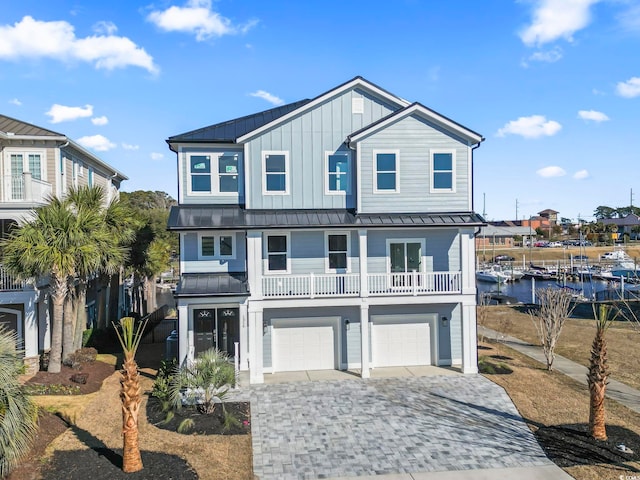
493,275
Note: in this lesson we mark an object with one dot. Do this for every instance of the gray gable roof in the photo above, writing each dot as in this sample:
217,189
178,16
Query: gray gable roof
229,131
10,126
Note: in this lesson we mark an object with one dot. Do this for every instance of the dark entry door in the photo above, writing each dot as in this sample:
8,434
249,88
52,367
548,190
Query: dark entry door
228,331
203,328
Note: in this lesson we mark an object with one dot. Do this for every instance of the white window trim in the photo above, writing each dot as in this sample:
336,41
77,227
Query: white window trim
287,173
91,177
326,252
25,159
327,154
375,171
265,253
214,159
432,188
423,246
216,246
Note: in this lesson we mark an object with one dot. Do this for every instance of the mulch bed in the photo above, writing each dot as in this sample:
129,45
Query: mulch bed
203,424
61,384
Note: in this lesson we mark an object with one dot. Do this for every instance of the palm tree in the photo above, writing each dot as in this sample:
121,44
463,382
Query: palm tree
18,415
599,374
48,246
130,392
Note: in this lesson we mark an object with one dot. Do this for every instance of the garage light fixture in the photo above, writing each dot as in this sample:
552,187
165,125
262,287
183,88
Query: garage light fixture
264,327
346,323
444,321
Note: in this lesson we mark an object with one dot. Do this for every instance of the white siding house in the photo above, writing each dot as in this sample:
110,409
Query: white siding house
331,233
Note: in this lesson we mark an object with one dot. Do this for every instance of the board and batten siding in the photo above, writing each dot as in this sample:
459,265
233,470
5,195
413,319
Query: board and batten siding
191,263
210,198
307,137
414,139
442,248
308,254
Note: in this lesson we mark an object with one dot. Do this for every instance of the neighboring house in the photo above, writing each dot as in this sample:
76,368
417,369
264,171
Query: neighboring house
629,224
36,163
502,236
550,215
332,233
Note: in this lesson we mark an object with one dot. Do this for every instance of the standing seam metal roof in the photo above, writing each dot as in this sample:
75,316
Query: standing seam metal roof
18,127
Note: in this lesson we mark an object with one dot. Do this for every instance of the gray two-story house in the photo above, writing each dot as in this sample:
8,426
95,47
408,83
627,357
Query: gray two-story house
332,233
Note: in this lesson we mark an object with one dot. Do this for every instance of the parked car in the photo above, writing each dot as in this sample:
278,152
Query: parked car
541,244
503,258
580,257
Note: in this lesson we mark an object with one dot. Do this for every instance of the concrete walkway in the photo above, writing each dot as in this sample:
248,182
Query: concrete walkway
618,391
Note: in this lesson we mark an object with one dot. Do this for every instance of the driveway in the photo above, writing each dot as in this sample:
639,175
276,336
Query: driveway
356,427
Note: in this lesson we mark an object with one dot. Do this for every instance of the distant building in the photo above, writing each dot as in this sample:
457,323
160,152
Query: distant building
625,225
501,235
550,215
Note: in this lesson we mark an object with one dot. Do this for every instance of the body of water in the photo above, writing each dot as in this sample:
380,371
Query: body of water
523,289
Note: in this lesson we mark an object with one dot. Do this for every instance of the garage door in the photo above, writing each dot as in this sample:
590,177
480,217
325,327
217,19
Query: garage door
399,341
310,347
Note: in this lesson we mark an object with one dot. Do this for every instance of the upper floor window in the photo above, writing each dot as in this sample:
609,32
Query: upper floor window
31,162
337,252
90,177
386,170
277,253
216,246
275,168
213,174
337,167
442,170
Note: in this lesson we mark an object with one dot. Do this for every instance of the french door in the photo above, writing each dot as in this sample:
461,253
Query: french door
405,257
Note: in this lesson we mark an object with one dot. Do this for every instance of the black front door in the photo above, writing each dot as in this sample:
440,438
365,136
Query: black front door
203,327
228,331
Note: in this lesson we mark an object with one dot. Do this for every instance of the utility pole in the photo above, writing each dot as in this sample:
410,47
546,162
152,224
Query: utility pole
516,209
484,206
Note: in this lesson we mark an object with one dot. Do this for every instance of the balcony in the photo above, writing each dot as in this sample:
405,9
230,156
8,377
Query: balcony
9,282
348,285
24,188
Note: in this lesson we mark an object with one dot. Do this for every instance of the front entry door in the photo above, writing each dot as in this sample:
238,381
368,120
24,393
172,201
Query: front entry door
203,325
228,329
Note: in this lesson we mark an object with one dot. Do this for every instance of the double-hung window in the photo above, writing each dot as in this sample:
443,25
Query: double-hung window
337,171
211,247
275,170
212,173
386,171
277,253
90,177
443,172
337,254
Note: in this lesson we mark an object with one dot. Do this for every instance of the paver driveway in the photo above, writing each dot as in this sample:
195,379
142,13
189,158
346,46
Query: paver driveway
381,426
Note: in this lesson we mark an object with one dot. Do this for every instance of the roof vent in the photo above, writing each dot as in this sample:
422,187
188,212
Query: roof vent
357,105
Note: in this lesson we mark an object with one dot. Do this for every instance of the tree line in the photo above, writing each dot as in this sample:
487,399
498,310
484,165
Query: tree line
72,240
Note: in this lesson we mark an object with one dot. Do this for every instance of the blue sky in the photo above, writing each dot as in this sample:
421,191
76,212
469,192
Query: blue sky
553,85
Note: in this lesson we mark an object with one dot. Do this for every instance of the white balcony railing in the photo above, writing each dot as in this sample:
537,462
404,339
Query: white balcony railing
348,285
9,282
24,188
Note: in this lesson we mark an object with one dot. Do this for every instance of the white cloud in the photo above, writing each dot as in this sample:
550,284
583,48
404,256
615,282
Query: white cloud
592,115
100,120
98,143
531,127
549,56
197,18
15,101
554,19
268,97
581,174
105,28
31,38
630,88
552,171
157,156
128,146
630,18
62,113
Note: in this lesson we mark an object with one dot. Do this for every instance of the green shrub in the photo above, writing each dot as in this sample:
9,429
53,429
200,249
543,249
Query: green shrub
18,414
81,357
162,383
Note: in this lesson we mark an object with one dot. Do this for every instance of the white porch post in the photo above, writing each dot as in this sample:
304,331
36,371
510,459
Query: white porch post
256,374
183,334
364,338
469,338
30,333
364,272
468,261
254,263
244,337
28,190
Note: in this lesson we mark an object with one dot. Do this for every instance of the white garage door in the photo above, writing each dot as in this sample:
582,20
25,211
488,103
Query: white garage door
309,347
398,341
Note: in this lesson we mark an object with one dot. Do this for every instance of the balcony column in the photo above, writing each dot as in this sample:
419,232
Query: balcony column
469,338
254,263
468,261
28,190
185,335
244,337
364,338
256,374
364,272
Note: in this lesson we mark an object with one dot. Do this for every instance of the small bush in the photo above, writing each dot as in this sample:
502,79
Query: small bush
162,383
81,357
